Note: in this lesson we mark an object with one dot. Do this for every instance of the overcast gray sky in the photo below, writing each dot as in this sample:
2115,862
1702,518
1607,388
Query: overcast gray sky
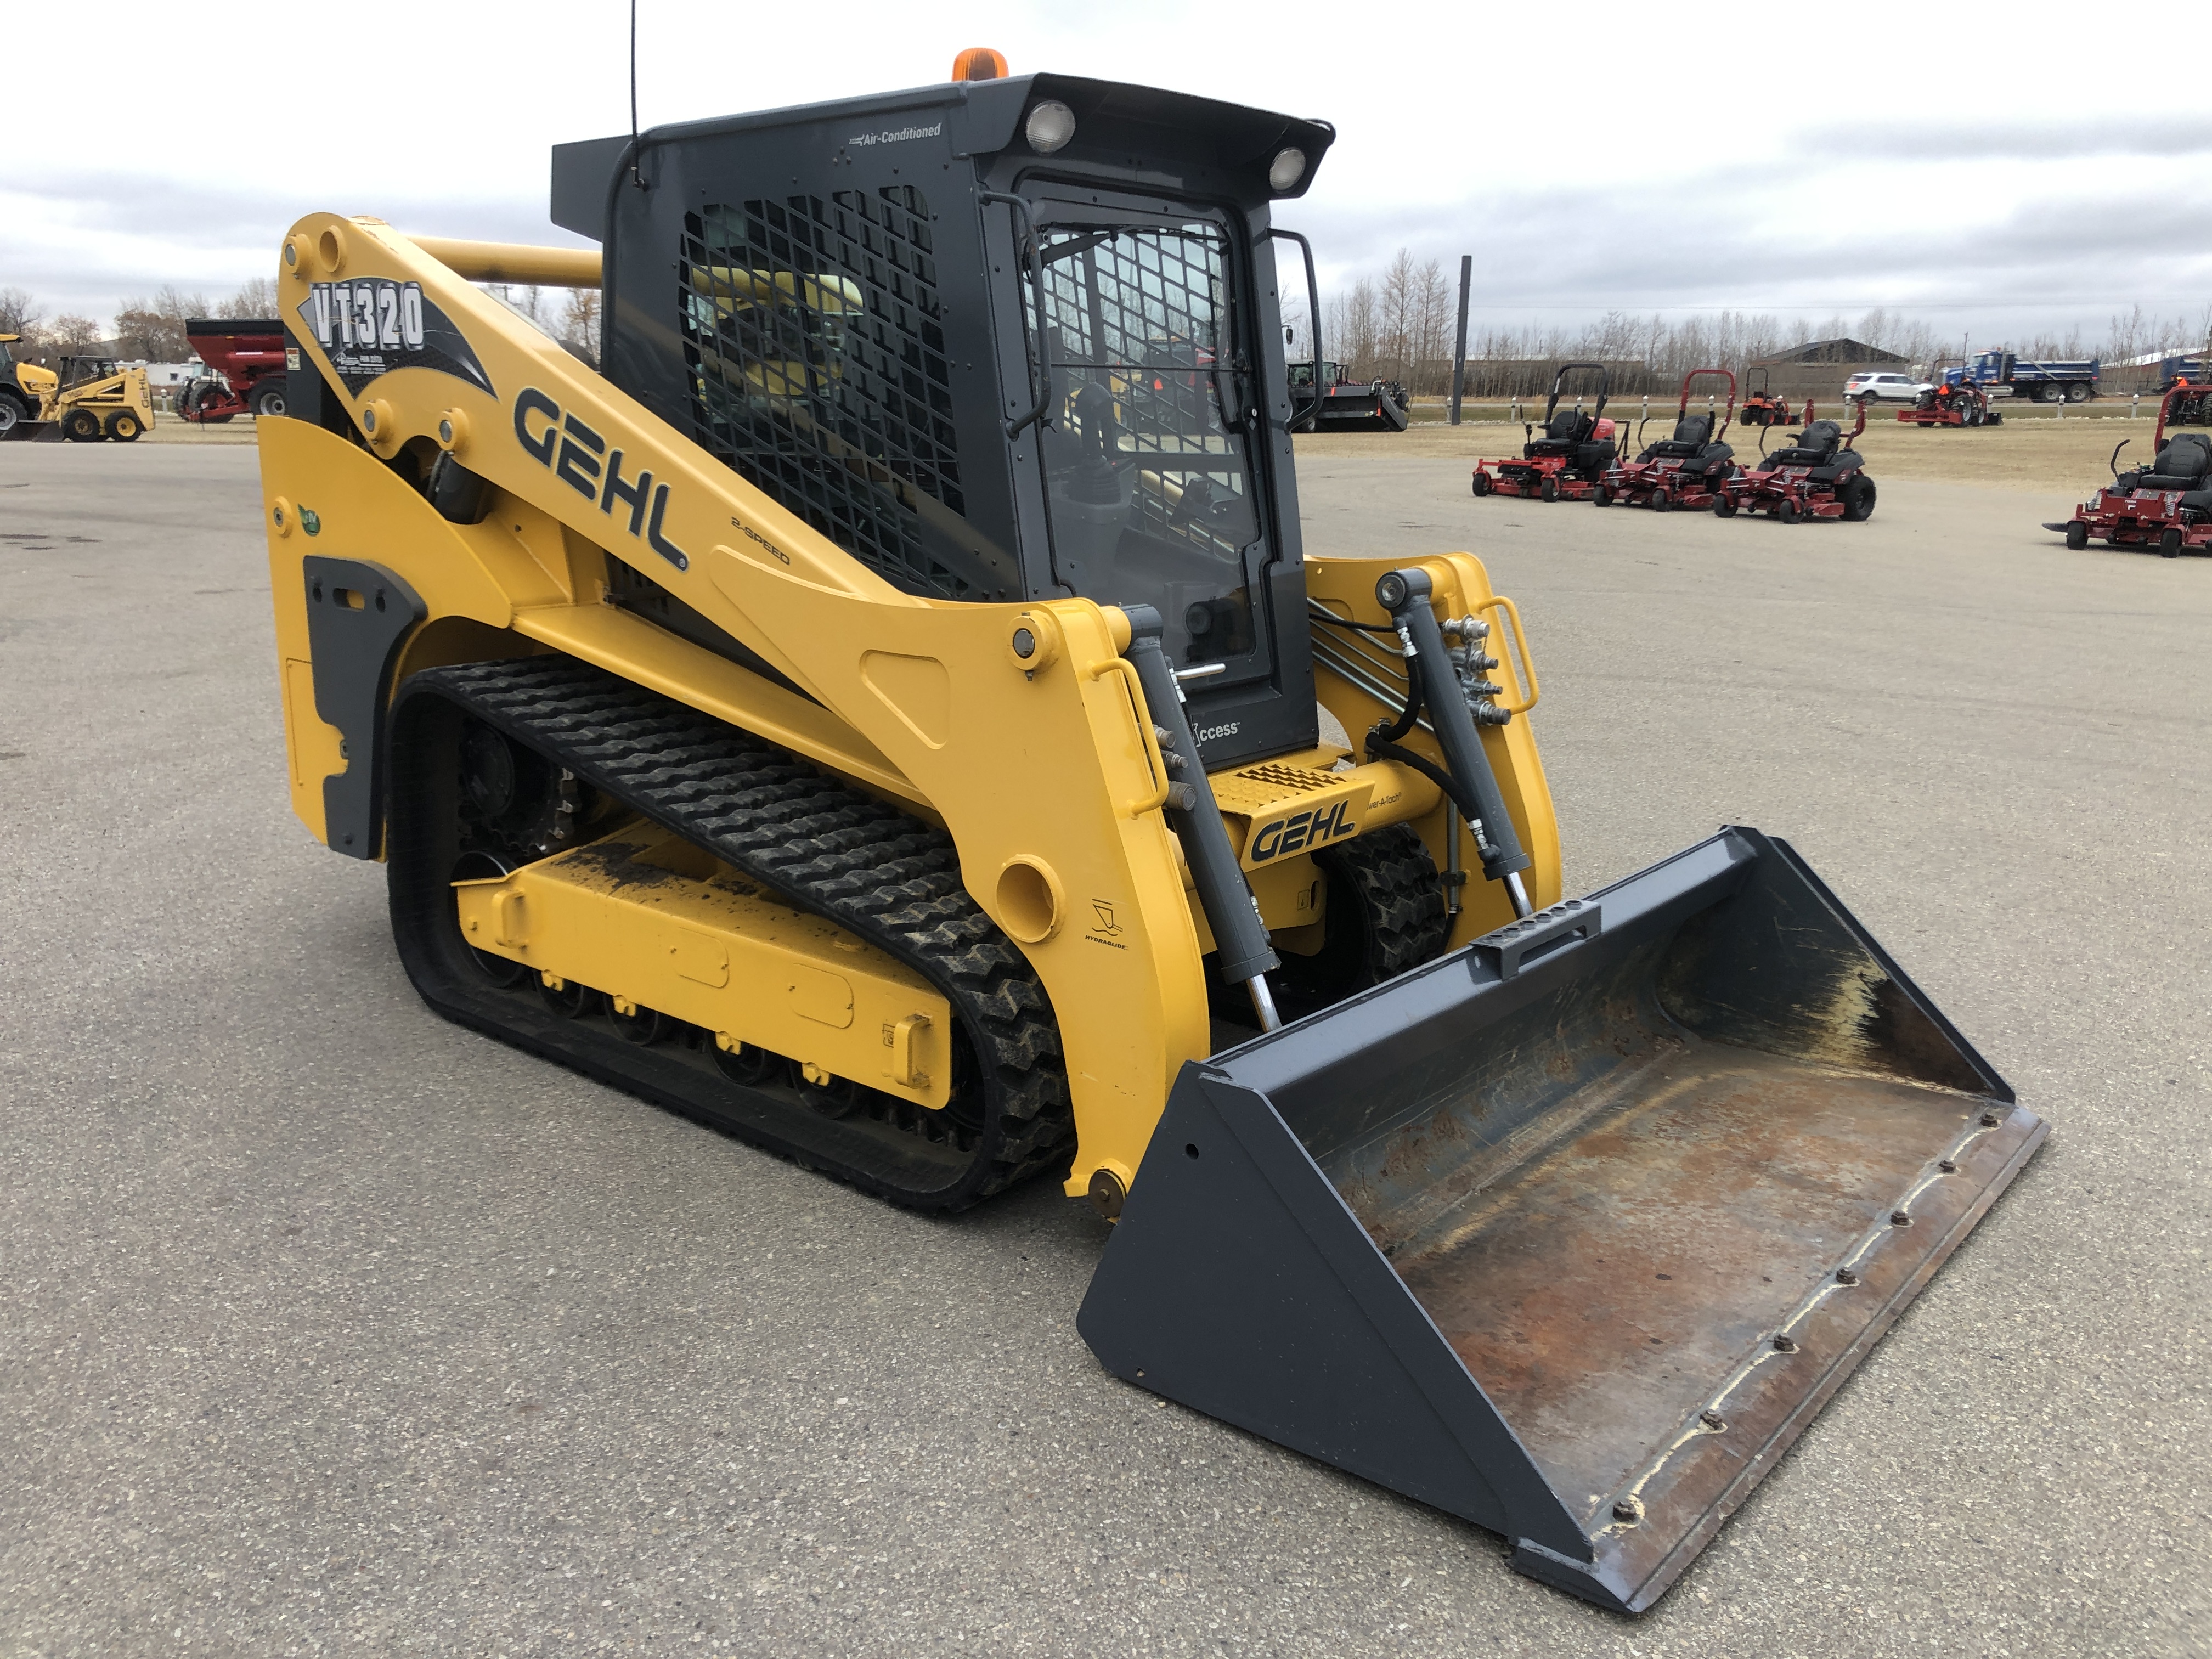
1980,165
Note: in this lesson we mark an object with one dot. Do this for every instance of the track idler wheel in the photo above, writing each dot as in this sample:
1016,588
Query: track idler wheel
643,1026
571,1000
832,1097
756,1068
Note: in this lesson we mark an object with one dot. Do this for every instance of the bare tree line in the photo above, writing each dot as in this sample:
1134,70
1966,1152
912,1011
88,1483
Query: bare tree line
1400,327
1397,327
153,329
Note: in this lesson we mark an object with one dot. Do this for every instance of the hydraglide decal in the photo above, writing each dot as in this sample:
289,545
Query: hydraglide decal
369,327
578,457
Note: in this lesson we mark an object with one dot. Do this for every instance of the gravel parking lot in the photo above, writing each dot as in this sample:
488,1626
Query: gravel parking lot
330,1327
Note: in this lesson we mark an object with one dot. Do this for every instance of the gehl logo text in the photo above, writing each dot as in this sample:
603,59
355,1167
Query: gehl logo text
1286,835
578,457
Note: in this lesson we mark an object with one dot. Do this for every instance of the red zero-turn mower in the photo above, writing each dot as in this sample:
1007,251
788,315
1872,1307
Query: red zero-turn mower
1568,460
2167,504
1687,470
1763,407
1952,405
1818,476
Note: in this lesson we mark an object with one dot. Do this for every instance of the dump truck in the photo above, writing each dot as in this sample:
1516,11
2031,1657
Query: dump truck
2002,374
852,719
247,366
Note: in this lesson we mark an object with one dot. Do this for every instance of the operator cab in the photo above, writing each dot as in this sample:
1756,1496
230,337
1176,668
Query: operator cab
1000,340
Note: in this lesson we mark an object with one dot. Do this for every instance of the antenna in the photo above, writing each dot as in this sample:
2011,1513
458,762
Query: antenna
634,178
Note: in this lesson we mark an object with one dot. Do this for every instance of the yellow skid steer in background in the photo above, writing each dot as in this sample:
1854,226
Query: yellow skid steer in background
885,711
88,400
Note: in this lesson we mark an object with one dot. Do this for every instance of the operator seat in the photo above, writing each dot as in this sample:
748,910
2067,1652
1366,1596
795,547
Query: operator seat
1815,446
2182,463
1563,434
1691,433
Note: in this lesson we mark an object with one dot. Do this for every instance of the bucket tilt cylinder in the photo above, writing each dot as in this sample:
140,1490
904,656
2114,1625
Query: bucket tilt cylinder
1467,778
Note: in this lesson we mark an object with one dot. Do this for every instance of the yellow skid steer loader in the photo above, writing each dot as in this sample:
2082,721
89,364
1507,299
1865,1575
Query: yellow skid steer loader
91,399
884,712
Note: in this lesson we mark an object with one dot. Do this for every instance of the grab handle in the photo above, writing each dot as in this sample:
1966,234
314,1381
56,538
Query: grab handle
1519,662
1042,364
1135,687
1512,947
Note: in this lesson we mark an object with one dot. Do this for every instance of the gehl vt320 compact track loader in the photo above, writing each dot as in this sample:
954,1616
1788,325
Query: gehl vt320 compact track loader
885,713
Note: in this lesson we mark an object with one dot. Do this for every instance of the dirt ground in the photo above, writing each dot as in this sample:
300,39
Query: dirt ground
2032,450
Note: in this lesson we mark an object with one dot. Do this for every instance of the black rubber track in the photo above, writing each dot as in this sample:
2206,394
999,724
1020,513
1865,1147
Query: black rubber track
821,844
1386,915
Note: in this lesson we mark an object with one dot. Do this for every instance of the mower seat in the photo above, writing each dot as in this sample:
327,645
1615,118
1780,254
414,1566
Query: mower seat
1563,434
1815,446
1843,461
1691,433
2182,465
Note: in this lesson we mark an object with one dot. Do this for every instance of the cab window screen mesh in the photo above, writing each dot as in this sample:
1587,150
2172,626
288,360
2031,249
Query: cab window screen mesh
812,328
1147,461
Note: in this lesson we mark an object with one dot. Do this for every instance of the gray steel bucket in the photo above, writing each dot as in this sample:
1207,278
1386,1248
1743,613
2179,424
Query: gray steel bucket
1571,1232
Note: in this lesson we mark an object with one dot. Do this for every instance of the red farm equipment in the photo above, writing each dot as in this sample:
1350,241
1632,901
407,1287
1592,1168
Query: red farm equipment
1566,463
1953,404
1819,476
247,358
1764,406
2167,505
1688,470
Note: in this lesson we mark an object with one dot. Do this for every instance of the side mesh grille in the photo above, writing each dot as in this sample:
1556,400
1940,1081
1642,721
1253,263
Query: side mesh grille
813,332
